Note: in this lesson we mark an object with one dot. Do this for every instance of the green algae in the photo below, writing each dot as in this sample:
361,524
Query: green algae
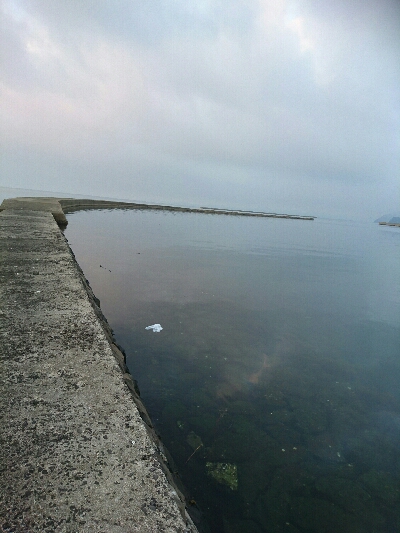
224,473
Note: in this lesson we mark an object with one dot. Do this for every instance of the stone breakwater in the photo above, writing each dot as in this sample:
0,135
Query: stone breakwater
78,450
70,205
60,206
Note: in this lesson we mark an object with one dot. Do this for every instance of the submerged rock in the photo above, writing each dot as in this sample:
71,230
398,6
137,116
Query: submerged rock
194,440
224,473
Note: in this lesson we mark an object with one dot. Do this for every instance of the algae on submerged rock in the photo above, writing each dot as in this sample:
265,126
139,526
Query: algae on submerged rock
224,473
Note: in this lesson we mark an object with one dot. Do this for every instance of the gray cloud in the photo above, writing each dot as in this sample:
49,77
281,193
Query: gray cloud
223,102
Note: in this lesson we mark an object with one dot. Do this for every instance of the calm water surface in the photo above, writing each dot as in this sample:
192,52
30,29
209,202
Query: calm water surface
274,383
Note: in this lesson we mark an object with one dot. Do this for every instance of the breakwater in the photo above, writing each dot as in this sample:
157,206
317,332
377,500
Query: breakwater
61,206
78,450
70,205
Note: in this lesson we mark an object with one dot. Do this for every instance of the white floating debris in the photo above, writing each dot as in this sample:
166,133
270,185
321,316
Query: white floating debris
155,327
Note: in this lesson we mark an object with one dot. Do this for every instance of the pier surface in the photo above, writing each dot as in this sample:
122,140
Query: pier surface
78,453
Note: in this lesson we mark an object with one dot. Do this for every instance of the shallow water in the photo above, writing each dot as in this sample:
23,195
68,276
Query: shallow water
274,382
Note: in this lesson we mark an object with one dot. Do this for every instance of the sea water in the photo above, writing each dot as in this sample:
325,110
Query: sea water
274,382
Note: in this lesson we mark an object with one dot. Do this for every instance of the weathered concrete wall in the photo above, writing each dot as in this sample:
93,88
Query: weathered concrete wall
75,454
51,205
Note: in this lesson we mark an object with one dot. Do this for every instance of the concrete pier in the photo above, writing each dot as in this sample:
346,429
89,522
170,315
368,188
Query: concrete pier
78,452
59,206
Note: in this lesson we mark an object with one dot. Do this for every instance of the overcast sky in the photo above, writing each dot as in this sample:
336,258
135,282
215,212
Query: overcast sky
278,105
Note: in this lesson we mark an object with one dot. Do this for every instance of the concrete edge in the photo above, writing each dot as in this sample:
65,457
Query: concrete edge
60,206
164,457
37,204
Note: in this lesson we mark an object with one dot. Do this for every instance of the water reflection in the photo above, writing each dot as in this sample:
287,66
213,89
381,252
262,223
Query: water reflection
274,380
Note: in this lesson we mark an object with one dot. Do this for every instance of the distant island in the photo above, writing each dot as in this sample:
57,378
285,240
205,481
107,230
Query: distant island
388,220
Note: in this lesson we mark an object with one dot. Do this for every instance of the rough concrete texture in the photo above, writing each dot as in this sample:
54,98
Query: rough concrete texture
75,454
51,205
